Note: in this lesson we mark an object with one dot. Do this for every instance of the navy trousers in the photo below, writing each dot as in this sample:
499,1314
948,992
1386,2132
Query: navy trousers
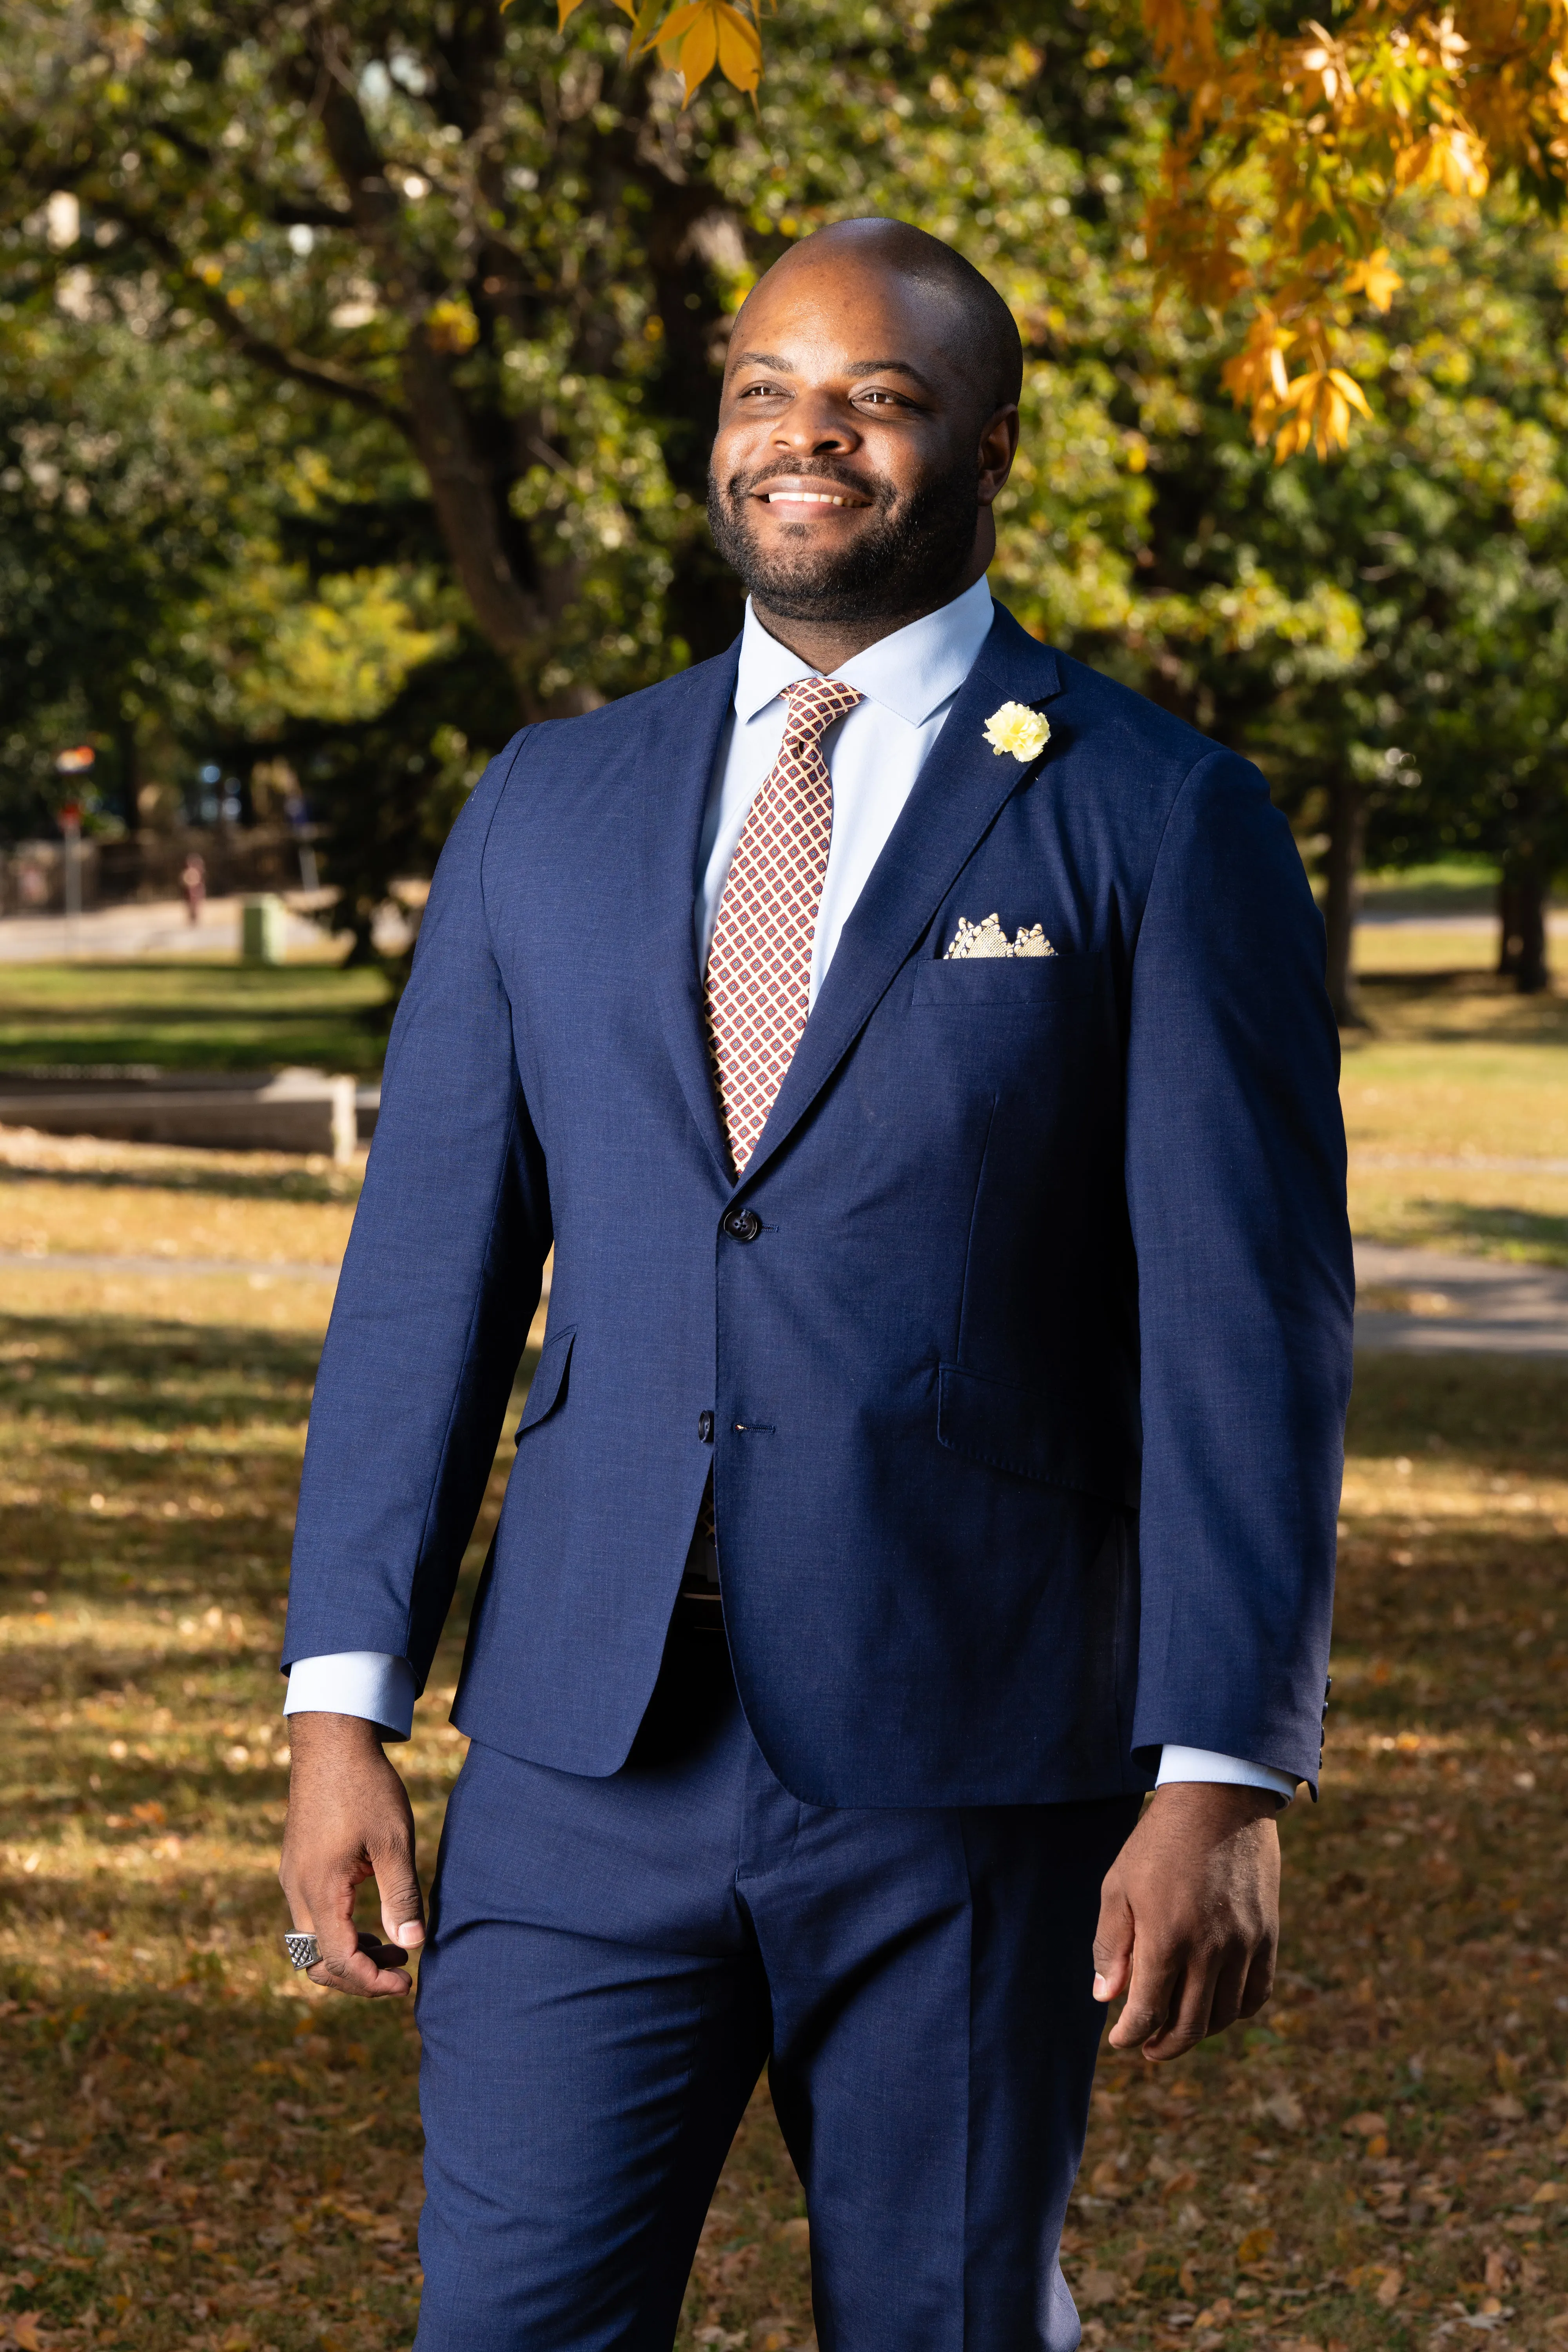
611,1962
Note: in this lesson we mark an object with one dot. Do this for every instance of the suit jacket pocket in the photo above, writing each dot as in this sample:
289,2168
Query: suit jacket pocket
1032,1433
954,983
548,1388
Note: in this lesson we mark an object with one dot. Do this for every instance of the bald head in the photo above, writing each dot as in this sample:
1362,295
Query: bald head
981,340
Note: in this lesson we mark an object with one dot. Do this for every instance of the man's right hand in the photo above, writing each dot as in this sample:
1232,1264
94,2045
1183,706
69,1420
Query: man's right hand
349,1820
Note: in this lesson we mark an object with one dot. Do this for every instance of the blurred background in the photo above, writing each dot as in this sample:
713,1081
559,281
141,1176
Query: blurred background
357,371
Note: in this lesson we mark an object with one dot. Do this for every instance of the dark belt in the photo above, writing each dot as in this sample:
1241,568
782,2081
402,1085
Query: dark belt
698,1612
698,1607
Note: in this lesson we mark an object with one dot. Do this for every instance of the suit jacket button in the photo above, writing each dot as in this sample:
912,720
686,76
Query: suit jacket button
705,1427
742,1225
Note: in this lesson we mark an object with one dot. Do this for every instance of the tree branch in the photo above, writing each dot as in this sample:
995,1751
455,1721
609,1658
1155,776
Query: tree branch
488,547
318,374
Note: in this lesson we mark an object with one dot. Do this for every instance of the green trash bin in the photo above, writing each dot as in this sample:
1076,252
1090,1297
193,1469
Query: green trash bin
263,928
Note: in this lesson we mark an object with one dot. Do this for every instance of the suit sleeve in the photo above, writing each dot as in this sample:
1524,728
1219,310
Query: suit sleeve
438,1286
1235,1185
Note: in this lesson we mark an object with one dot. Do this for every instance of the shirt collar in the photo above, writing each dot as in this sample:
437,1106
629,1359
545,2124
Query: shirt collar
911,673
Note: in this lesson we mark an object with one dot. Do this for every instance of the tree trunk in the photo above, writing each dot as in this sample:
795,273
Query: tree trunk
1508,925
1342,896
1522,901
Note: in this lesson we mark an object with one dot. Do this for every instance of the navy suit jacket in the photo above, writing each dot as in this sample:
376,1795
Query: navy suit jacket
1027,1395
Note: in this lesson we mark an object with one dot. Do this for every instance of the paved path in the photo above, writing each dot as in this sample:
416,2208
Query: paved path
1428,1303
1422,1302
121,934
192,1269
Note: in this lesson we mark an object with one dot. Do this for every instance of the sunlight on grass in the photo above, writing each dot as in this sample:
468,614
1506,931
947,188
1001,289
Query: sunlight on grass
1456,1107
74,1192
189,1014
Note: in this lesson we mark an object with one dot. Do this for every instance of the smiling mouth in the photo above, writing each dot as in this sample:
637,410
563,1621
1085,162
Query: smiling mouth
782,497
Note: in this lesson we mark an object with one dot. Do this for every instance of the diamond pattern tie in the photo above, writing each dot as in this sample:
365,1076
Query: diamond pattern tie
759,967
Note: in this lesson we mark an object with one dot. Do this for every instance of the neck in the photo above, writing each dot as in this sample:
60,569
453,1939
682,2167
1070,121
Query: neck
828,645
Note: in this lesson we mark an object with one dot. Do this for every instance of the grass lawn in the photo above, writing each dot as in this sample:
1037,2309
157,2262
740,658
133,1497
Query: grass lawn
203,2153
189,1014
1456,1112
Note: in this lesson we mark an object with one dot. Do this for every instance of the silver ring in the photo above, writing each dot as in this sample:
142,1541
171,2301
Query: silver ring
303,1951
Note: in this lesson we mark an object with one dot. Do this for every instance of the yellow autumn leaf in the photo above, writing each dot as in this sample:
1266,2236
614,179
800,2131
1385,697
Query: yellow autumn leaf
1352,391
691,40
668,33
740,50
699,53
1255,2245
1376,277
451,326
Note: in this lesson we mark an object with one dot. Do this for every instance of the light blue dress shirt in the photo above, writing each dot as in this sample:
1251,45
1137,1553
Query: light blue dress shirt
908,682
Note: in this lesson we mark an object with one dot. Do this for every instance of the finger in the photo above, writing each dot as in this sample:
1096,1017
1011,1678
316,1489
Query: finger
371,1971
345,1964
1112,1944
1192,2005
402,1901
1156,1980
1230,1988
1260,1985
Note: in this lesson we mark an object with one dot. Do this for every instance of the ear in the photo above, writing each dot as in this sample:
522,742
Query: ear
998,447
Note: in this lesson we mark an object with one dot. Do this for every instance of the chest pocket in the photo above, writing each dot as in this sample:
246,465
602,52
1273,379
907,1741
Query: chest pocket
999,984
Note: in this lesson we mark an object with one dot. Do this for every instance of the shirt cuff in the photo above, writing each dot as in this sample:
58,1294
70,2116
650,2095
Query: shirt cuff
364,1682
1203,1764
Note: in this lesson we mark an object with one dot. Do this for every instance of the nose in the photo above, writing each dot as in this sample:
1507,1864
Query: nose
818,425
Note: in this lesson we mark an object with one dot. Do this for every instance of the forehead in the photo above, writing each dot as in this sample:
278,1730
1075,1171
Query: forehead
835,313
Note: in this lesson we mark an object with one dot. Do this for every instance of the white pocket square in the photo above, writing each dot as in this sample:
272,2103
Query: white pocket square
988,938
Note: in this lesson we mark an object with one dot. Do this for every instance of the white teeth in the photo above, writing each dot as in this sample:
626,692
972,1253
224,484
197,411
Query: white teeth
803,499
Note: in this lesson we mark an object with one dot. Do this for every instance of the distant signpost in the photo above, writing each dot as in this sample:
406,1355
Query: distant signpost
77,761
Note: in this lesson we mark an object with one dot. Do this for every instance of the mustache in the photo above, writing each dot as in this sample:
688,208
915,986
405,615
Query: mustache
745,485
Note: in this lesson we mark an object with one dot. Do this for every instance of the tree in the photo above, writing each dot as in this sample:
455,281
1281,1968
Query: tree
1292,147
1421,712
106,506
460,295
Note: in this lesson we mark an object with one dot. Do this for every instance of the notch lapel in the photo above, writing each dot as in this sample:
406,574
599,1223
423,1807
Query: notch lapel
957,795
680,759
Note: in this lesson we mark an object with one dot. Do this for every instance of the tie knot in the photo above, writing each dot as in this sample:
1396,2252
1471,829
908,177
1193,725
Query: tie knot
814,704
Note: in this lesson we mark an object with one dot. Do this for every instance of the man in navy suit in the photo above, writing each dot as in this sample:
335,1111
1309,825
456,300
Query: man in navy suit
914,1048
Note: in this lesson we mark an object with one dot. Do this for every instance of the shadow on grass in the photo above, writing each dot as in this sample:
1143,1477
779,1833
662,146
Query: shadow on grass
1493,1412
219,1184
1441,998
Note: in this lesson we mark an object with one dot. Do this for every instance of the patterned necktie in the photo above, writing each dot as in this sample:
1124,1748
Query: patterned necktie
759,967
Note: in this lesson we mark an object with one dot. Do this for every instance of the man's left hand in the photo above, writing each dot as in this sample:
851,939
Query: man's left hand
1189,1917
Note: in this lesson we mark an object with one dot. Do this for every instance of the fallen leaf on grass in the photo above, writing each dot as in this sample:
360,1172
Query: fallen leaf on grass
1254,2246
1096,2287
1383,2280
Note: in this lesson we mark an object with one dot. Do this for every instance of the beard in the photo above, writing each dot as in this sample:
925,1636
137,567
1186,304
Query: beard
905,560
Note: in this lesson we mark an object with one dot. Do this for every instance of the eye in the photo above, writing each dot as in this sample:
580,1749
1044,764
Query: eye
761,391
883,399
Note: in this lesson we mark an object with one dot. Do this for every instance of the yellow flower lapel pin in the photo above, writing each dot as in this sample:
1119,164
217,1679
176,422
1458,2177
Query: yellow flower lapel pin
1017,729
